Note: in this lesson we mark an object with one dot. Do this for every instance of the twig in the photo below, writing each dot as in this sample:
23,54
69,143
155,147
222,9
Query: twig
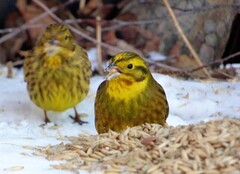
161,65
18,63
120,23
115,24
195,56
215,62
99,48
25,26
10,69
73,29
49,12
10,30
226,74
82,4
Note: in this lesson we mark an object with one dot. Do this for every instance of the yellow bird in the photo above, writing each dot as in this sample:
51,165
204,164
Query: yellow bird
57,71
130,96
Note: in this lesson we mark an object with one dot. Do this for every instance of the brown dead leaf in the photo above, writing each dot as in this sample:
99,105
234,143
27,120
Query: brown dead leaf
3,55
91,6
185,62
127,47
110,37
175,49
13,45
141,38
152,40
106,10
30,11
224,73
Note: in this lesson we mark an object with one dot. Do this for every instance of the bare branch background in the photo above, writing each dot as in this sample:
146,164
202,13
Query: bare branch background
110,25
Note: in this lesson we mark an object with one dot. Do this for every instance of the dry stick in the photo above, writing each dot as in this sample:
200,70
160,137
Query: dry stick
82,4
14,31
99,47
29,26
226,74
94,40
73,29
50,12
195,56
120,23
10,69
20,62
215,62
25,26
161,65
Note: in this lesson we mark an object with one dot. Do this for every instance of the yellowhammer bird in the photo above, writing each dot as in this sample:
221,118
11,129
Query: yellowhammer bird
130,96
57,71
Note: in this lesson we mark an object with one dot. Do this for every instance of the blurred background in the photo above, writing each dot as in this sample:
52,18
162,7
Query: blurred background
143,26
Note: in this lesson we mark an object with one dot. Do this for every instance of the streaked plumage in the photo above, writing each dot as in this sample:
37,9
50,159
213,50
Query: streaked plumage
130,96
57,71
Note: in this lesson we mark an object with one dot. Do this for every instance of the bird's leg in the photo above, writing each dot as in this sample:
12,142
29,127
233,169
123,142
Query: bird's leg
77,118
46,119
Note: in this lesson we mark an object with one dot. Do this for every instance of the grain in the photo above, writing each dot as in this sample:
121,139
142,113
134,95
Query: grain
14,169
211,147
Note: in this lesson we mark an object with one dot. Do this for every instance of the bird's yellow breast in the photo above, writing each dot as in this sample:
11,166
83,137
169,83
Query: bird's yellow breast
53,57
53,62
124,88
57,97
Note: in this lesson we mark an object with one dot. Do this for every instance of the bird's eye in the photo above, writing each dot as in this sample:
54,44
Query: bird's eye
130,66
67,37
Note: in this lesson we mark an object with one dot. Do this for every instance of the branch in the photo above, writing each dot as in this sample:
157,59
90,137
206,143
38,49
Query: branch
195,56
161,65
116,24
73,29
215,62
99,48
37,18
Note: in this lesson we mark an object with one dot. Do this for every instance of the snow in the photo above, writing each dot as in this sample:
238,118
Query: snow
156,56
190,102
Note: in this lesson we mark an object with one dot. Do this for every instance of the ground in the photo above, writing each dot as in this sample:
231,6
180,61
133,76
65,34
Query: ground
190,102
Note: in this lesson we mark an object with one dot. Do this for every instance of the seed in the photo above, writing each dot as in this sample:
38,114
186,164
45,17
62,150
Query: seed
211,147
14,168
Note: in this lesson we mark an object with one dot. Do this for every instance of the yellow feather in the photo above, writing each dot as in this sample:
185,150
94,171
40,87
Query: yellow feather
58,71
130,96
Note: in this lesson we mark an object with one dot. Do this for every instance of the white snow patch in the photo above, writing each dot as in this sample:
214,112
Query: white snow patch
190,102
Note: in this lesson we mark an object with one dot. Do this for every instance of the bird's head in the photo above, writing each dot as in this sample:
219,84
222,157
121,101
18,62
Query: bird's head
127,65
56,35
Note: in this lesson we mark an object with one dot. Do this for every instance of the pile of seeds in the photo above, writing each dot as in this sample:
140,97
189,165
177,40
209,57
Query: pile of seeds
212,147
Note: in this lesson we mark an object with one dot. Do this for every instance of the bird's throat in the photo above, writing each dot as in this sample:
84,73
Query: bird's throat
50,49
53,62
125,89
52,59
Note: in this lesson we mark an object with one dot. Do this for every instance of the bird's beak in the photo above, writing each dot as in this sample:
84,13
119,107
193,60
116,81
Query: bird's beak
53,41
112,71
